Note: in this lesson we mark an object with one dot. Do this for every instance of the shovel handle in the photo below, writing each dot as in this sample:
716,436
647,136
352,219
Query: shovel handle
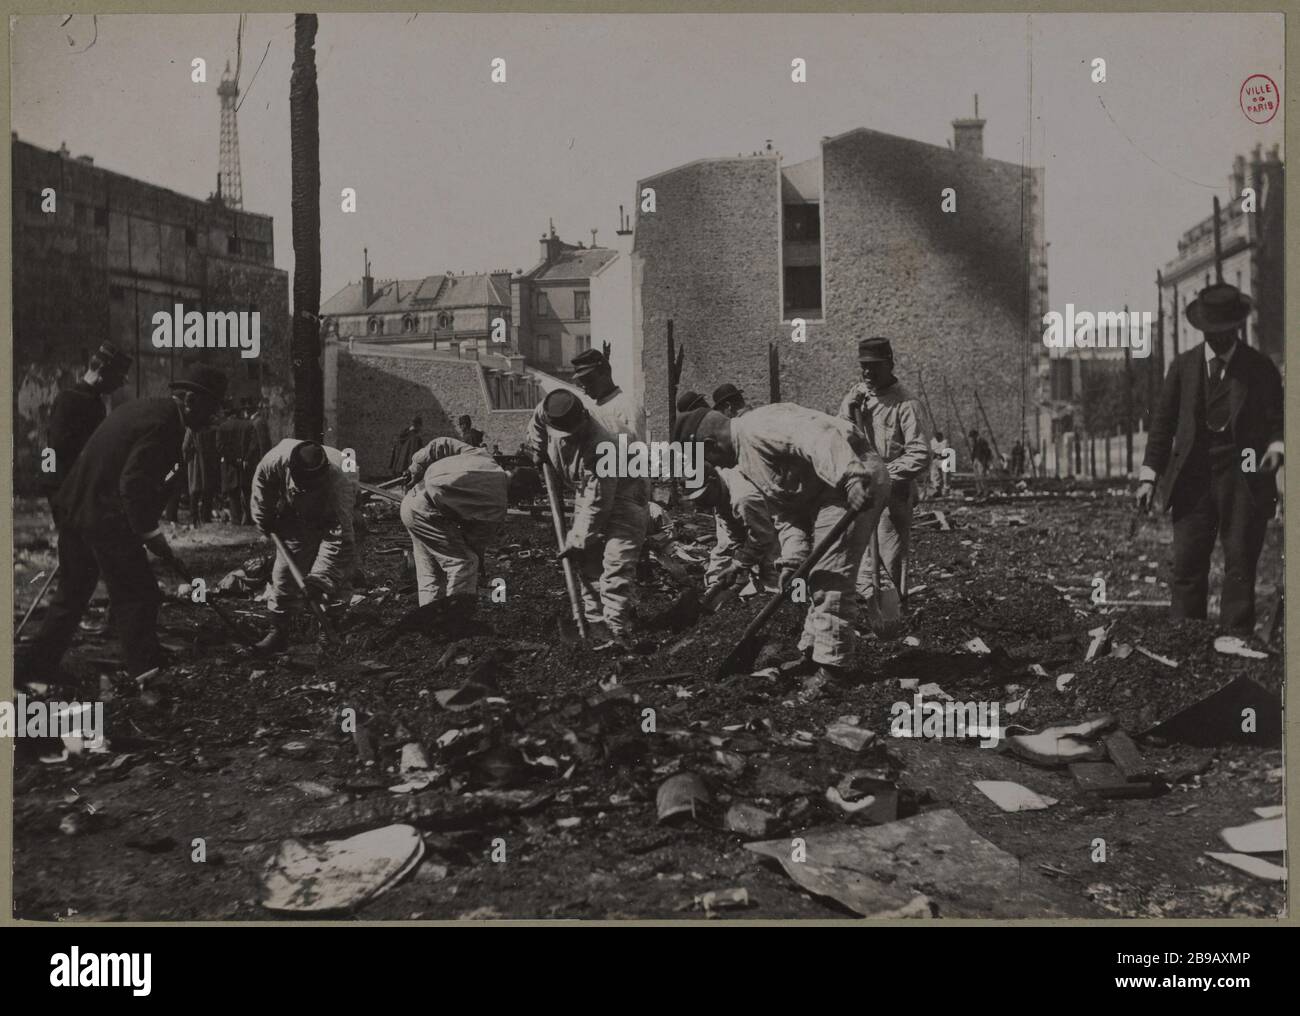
381,491
31,609
570,579
810,562
301,583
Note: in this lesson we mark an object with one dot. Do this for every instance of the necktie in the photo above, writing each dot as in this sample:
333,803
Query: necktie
1217,410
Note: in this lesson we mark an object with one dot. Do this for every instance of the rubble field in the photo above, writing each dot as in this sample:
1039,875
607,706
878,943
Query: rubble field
536,768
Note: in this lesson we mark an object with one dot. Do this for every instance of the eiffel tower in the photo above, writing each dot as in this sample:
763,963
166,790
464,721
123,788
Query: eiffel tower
230,187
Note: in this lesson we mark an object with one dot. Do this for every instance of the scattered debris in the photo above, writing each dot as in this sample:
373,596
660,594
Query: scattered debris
833,795
1059,746
749,820
1231,645
1106,780
849,735
1256,866
1267,836
722,899
1062,680
683,794
1219,717
340,875
877,871
1012,796
1157,657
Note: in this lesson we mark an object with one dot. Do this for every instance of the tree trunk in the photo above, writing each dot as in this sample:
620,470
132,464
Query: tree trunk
304,131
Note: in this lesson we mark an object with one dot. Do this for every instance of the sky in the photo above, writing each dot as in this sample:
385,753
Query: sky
456,173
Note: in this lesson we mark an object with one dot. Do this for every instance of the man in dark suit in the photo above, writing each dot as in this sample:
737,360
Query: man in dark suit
1214,445
107,512
78,410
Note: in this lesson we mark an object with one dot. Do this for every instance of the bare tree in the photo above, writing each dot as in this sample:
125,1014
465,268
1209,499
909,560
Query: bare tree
304,132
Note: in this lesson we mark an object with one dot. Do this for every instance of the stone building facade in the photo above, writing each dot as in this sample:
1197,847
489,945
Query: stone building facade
551,303
854,243
113,251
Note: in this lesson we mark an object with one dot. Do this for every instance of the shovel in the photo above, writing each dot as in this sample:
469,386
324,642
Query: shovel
381,491
35,603
234,626
321,617
743,655
570,579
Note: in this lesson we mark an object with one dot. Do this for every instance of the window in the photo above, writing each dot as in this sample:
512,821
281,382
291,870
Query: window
408,323
444,320
232,245
802,222
374,327
544,354
581,343
582,305
191,237
543,304
803,291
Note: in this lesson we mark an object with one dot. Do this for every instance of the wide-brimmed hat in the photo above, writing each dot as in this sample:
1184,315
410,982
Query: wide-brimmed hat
875,350
588,361
726,393
308,464
564,410
1219,308
207,380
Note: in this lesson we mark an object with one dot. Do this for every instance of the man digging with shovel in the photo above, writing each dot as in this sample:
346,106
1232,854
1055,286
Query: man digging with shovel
609,513
745,537
303,499
814,471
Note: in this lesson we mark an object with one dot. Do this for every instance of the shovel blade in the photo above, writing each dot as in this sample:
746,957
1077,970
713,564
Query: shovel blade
740,658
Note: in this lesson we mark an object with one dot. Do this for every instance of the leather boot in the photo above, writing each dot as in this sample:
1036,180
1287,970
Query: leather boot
278,639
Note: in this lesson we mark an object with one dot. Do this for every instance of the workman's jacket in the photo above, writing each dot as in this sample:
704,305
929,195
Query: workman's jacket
798,458
893,423
597,499
746,518
76,412
461,481
321,515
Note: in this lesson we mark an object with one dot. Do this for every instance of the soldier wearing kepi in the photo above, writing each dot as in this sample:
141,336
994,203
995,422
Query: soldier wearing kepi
302,494
453,510
812,469
609,512
893,423
1220,408
107,513
745,540
614,408
78,410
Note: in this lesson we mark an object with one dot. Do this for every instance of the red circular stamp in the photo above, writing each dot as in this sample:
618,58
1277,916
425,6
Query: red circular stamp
1259,98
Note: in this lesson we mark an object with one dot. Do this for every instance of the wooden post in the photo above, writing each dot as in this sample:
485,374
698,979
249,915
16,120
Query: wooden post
957,413
1157,368
1128,398
1218,244
1175,310
773,374
672,381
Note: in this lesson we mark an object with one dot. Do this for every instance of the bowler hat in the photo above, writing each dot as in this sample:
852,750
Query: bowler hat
690,400
1219,308
564,410
308,464
726,393
686,426
875,350
206,380
588,361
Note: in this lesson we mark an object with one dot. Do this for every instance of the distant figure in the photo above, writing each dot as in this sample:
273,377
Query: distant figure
982,456
1017,459
467,432
938,458
408,442
729,400
78,410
